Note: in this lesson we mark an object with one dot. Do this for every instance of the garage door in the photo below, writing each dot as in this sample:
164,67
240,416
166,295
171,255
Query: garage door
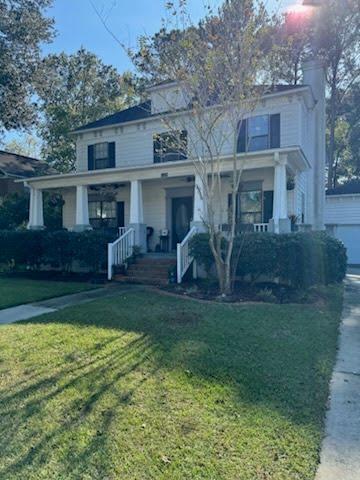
350,236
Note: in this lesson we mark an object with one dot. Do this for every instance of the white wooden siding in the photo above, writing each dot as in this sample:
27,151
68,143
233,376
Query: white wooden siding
134,142
342,210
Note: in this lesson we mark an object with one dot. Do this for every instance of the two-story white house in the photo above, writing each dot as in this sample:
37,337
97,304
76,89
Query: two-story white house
123,179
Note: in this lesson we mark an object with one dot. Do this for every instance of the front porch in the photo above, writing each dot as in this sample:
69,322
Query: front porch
160,203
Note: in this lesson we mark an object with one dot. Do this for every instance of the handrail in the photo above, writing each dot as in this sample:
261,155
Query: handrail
184,258
120,250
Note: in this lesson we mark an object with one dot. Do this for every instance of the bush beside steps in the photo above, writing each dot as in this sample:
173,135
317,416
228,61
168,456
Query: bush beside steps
297,260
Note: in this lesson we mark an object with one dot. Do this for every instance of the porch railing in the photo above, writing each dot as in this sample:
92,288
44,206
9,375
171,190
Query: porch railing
120,250
184,258
261,227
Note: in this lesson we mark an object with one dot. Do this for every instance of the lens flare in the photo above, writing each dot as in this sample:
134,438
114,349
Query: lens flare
300,9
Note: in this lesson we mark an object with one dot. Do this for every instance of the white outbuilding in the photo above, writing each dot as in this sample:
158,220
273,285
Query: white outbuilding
342,217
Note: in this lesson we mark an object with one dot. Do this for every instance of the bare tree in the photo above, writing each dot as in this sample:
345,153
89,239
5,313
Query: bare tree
220,69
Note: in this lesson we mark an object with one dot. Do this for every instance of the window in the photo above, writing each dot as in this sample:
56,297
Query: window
170,146
101,155
249,205
259,133
102,214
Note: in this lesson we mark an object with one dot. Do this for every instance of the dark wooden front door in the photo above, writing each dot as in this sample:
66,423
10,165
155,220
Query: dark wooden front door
181,215
120,214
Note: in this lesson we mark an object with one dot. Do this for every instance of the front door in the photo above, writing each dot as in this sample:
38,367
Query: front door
181,216
120,214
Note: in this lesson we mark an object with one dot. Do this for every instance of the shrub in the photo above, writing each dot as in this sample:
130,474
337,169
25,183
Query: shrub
59,249
298,259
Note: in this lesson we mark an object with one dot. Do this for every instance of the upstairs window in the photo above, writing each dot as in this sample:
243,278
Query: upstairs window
259,133
170,146
101,155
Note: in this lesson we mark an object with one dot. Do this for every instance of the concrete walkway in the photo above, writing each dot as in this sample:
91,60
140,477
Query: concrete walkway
24,312
340,455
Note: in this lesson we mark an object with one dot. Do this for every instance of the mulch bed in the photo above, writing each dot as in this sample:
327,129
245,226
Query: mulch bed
244,292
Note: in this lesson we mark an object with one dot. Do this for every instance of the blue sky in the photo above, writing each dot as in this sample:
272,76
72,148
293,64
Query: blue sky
77,24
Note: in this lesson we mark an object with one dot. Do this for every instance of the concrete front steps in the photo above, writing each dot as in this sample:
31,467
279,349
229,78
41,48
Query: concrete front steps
149,270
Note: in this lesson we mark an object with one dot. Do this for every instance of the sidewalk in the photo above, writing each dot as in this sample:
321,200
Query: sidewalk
340,455
24,312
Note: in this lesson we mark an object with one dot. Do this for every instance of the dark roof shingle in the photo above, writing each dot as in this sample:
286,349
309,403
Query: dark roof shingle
16,165
143,110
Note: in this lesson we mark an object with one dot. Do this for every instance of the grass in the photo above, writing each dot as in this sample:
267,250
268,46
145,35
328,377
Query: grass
16,291
146,386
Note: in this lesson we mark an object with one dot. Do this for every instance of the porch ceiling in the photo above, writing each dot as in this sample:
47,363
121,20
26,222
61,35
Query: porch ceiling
292,156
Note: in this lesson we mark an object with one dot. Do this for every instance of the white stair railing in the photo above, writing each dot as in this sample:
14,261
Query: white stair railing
184,258
120,250
261,227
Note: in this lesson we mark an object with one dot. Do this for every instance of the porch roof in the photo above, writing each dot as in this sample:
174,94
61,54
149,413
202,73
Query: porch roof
293,157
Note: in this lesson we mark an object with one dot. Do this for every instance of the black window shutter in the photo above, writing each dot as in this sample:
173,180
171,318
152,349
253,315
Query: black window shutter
241,143
91,165
275,131
157,148
111,147
268,205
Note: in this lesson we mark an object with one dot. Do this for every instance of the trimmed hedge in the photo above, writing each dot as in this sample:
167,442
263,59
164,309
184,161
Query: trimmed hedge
59,249
298,259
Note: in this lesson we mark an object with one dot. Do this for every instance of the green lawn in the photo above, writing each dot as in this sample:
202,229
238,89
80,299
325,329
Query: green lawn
147,386
16,291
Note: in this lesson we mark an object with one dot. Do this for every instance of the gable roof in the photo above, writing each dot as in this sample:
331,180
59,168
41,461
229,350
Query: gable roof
21,166
143,110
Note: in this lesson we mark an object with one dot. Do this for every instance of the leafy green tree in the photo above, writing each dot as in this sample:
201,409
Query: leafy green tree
338,41
23,27
332,32
351,113
79,89
343,159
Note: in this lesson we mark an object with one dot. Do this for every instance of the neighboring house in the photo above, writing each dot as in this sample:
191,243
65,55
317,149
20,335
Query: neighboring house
14,167
342,217
126,177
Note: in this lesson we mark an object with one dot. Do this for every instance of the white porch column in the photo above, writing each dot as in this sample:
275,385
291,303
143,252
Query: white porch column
136,202
280,220
137,214
36,216
199,202
82,209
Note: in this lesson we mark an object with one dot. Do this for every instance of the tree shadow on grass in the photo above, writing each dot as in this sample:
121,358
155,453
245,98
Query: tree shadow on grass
25,404
266,355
